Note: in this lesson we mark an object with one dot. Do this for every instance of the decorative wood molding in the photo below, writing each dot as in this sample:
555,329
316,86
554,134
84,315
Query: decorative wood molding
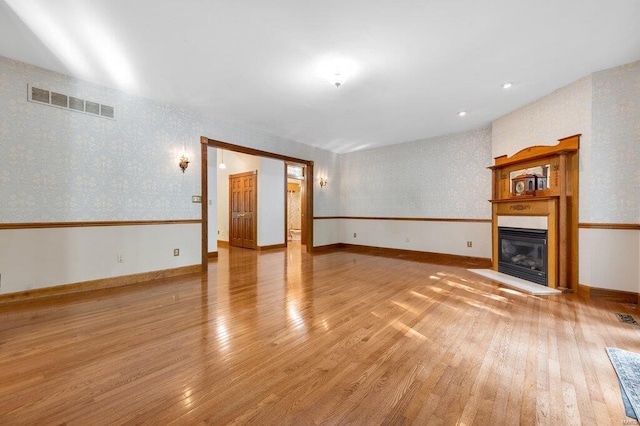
559,202
35,225
623,226
98,284
204,209
251,151
568,144
271,247
413,219
607,294
413,255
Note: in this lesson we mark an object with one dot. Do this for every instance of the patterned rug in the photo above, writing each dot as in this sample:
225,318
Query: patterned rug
627,366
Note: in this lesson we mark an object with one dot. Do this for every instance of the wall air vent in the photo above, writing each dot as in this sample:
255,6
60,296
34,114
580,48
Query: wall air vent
59,100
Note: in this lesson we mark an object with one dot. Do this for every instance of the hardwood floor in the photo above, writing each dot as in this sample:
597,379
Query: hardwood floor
283,337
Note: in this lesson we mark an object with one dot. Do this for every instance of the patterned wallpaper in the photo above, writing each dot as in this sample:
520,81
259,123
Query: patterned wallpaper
613,183
59,165
442,177
294,206
605,108
565,112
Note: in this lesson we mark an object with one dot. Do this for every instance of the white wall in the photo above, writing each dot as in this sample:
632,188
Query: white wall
271,205
609,259
326,232
37,258
212,189
435,237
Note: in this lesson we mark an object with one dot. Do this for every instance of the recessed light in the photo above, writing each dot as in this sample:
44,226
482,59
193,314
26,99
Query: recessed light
507,85
462,113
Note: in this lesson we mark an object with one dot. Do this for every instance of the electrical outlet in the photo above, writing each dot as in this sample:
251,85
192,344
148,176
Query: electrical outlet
469,244
355,235
176,252
407,240
119,258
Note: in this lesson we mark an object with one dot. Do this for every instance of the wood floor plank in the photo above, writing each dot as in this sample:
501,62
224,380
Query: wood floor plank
284,337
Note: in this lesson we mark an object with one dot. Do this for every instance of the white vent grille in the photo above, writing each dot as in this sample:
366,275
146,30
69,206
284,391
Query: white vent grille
60,100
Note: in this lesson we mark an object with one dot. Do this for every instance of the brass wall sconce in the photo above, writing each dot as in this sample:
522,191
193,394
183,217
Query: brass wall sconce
323,182
184,162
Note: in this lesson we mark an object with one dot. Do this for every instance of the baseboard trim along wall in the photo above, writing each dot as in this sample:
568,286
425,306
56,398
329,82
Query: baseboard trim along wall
609,295
98,284
271,247
212,255
413,255
222,243
327,248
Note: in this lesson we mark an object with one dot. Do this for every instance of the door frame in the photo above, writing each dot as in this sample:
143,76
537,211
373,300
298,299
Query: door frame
205,143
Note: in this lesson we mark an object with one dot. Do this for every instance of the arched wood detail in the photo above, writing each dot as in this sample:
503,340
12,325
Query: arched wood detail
568,144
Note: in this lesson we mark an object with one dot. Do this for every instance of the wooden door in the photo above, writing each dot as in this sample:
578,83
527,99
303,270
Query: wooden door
243,210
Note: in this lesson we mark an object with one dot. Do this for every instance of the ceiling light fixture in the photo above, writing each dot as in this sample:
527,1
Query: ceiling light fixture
222,165
337,79
507,85
462,113
336,70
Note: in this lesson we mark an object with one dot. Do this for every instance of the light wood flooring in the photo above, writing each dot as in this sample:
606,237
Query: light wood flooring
283,337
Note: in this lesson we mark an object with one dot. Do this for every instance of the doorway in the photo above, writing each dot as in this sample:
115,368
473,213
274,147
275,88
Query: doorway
243,205
296,212
205,143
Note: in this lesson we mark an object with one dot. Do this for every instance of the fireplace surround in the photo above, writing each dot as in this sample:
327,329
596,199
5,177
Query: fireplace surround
554,203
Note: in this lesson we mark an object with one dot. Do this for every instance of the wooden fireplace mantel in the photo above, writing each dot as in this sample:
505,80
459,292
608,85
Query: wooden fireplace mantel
558,202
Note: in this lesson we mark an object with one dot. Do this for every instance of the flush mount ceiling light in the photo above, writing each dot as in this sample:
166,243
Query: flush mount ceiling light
462,113
337,79
336,70
507,84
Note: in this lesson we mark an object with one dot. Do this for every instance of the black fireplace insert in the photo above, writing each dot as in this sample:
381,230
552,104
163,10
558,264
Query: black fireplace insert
523,253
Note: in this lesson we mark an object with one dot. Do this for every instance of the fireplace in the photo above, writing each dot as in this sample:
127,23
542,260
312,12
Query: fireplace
523,253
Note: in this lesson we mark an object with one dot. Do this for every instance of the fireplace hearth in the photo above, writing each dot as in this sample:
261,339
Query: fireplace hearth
523,253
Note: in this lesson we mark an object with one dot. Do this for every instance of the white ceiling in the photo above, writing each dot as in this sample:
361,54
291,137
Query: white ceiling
417,62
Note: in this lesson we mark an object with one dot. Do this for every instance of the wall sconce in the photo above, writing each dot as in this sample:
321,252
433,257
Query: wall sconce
323,182
184,162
